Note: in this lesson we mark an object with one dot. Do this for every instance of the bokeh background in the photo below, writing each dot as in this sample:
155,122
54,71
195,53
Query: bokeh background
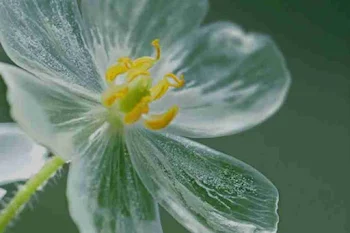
304,149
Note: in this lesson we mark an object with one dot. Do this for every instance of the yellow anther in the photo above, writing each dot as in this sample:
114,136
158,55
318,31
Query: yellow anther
113,94
157,122
143,63
162,86
133,97
146,63
141,108
159,89
156,45
126,64
126,61
123,65
179,82
114,71
132,74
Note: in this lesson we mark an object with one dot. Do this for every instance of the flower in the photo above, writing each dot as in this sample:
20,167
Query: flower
91,93
20,156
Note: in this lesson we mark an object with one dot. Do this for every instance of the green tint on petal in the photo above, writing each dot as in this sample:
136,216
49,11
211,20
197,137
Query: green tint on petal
205,190
105,194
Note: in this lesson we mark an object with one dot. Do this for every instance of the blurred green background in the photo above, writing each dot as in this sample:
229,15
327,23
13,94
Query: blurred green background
304,149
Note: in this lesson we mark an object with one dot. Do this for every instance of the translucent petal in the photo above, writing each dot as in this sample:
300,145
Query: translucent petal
105,194
118,28
234,81
56,116
20,156
45,37
205,190
2,193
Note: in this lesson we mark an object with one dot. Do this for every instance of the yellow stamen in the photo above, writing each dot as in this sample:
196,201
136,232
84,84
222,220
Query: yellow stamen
123,65
135,114
143,63
112,94
157,122
133,97
126,61
159,89
162,86
156,45
179,82
132,74
146,63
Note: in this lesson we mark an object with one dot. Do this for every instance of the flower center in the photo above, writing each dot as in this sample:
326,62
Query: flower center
132,96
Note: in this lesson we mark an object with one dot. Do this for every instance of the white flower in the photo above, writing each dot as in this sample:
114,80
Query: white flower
70,100
20,156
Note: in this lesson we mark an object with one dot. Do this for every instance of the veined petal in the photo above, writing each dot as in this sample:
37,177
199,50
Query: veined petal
119,28
234,81
205,190
105,194
20,156
45,38
56,116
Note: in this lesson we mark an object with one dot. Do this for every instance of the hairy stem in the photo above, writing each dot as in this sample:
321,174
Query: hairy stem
27,191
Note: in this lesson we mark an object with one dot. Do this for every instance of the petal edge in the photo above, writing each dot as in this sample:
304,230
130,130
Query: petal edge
234,81
205,190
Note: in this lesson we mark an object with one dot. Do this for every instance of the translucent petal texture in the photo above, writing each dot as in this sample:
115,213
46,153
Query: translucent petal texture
20,156
45,37
105,193
56,116
205,190
126,28
234,81
2,193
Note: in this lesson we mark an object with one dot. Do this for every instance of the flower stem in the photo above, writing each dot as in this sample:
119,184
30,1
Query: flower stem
26,192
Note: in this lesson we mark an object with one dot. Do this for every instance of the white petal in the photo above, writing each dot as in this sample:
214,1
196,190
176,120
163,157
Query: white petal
234,81
54,115
105,193
20,156
205,190
2,193
126,28
45,37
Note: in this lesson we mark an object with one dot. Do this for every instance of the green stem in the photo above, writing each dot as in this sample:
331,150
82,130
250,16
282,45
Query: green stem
25,193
